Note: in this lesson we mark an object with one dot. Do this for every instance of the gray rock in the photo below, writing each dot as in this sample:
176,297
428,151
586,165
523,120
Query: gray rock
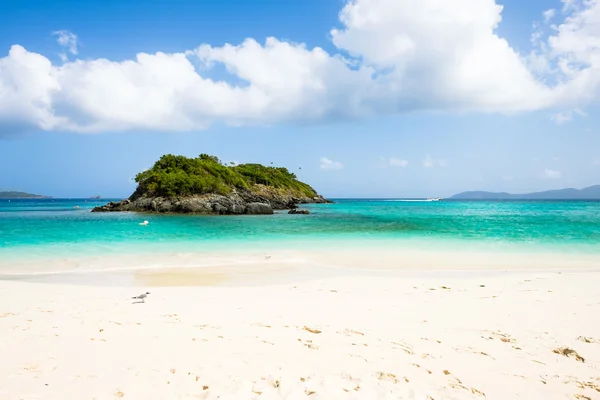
219,208
294,211
241,201
237,209
259,208
164,206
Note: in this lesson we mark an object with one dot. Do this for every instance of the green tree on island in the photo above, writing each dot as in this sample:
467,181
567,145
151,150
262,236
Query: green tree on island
173,176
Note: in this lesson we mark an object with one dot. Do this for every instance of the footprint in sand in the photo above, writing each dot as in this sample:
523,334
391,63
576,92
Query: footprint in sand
504,337
261,325
586,339
456,383
567,352
349,332
590,385
581,397
387,376
309,344
9,314
408,349
316,331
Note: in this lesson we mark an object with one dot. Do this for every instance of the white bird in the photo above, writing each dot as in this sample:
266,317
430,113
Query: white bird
141,297
144,223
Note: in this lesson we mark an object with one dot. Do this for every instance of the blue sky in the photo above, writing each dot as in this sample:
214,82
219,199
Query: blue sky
390,110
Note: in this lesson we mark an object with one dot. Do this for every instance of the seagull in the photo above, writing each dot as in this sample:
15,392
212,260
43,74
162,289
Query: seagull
141,297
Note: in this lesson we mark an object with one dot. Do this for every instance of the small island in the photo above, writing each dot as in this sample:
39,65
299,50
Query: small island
204,185
20,195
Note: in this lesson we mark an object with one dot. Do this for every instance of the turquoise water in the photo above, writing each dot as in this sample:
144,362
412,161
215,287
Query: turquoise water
36,229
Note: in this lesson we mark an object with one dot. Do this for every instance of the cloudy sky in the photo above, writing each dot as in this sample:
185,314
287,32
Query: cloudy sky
372,98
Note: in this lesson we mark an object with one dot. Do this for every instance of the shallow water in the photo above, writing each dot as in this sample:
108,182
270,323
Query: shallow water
48,233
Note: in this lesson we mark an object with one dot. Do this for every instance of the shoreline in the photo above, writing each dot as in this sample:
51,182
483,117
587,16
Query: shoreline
323,262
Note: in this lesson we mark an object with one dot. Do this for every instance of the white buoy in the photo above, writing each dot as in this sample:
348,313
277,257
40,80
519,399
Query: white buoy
144,223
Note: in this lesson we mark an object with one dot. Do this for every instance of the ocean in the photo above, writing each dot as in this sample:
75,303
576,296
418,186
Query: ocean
49,234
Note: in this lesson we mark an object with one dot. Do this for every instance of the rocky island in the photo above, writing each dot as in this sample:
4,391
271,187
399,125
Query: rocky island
204,185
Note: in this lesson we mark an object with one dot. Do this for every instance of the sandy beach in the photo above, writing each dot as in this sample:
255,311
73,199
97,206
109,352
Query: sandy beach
369,335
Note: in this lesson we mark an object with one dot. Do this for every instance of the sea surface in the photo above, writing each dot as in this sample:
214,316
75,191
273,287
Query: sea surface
36,232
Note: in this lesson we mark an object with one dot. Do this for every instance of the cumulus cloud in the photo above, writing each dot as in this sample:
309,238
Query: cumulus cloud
552,174
391,56
326,163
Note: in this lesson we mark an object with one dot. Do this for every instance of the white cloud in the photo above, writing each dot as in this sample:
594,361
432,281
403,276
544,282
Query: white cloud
566,116
548,15
67,40
569,5
430,162
562,117
326,163
397,162
552,174
392,56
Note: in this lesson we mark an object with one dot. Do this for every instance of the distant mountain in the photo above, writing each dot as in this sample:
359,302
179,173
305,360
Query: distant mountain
20,195
589,193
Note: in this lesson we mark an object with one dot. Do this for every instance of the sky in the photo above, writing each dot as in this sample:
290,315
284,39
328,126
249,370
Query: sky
370,98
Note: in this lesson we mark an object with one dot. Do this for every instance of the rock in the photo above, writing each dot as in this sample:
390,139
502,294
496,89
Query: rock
237,209
194,206
259,209
164,206
238,202
294,211
219,208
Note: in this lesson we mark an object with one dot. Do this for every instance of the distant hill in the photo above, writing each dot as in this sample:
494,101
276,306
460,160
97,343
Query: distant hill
20,195
589,193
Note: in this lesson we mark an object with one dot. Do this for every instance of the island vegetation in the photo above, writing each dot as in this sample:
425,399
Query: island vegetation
173,176
206,185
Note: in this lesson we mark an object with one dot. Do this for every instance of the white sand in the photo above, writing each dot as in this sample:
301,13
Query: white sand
375,335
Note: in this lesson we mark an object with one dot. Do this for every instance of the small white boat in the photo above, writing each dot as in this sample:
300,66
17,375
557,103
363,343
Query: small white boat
144,223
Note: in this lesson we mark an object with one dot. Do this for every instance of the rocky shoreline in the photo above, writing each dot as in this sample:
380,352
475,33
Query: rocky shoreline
237,203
